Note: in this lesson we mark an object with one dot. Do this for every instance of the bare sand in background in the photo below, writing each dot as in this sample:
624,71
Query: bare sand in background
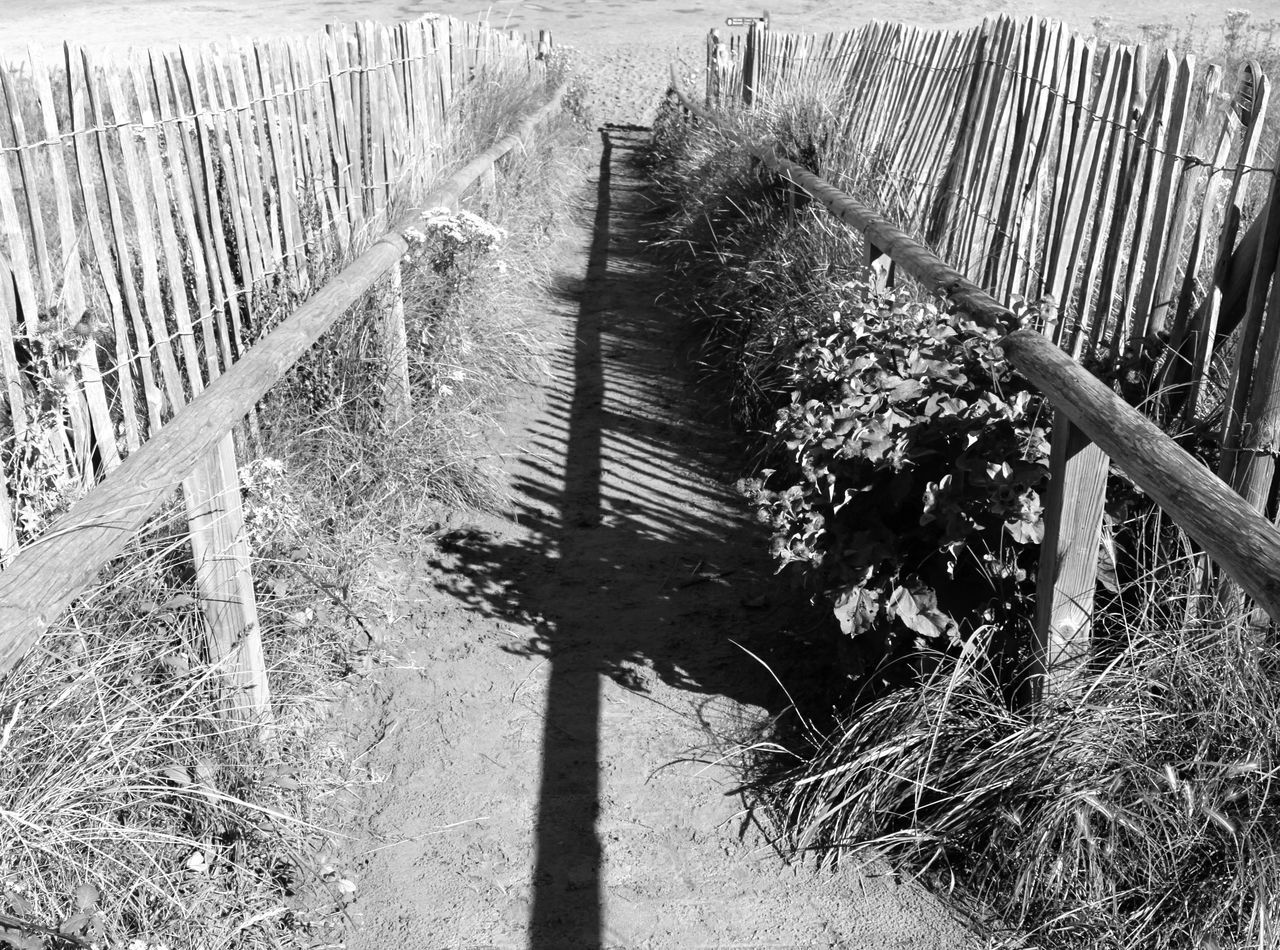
581,22
629,43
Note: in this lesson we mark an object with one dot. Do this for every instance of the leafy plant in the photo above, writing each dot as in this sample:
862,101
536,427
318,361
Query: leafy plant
906,471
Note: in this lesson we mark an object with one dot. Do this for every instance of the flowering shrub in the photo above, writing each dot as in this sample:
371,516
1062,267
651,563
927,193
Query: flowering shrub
272,516
907,471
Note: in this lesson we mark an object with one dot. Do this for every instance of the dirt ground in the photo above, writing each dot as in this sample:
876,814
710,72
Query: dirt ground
554,752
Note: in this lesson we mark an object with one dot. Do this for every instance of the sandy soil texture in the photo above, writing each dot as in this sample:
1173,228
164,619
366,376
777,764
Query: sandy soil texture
557,749
584,23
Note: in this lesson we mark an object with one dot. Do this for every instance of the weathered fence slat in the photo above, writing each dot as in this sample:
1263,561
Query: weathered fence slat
101,255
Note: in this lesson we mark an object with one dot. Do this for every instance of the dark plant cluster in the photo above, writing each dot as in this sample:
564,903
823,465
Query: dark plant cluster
905,473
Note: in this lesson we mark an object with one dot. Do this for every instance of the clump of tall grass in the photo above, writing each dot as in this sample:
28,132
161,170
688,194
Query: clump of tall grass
748,267
1136,807
133,815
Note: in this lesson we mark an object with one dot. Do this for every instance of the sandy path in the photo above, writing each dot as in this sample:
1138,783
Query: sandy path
549,746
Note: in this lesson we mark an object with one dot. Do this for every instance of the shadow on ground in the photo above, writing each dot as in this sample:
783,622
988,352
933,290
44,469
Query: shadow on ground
637,562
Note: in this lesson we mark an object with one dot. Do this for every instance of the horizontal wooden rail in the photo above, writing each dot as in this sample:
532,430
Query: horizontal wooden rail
45,577
1240,539
1235,535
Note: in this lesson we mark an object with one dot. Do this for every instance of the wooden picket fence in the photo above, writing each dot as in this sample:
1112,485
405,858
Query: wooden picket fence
1117,190
153,211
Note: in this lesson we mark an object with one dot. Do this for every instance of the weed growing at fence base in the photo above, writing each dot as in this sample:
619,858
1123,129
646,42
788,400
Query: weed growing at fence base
133,815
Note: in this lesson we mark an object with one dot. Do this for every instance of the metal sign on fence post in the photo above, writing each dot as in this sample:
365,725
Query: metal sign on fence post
754,52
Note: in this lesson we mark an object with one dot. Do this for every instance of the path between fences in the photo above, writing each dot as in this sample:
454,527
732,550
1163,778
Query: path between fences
544,761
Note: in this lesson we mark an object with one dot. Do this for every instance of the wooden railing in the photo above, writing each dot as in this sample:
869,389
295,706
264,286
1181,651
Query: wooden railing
275,159
1093,422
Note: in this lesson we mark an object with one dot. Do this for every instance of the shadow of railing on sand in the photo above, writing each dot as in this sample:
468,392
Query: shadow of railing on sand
631,556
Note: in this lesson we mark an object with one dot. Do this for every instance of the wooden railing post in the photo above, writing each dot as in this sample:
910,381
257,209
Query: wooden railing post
397,400
489,186
215,522
1068,569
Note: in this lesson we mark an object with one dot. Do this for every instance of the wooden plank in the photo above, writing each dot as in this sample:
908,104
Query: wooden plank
258,261
940,146
224,580
261,170
372,114
1077,217
1090,325
1165,172
1162,300
33,298
1136,191
15,400
949,216
330,219
1257,90
170,257
218,127
138,352
329,159
1241,540
30,187
174,175
87,171
905,151
362,123
1067,575
1259,432
342,142
281,165
441,31
1023,156
202,145
16,244
964,246
98,430
348,105
9,318
155,337
1023,260
1078,99
397,399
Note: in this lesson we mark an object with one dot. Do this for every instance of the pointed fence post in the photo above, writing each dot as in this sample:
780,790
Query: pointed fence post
397,400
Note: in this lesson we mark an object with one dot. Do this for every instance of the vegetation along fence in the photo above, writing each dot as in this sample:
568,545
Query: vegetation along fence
157,216
1117,190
